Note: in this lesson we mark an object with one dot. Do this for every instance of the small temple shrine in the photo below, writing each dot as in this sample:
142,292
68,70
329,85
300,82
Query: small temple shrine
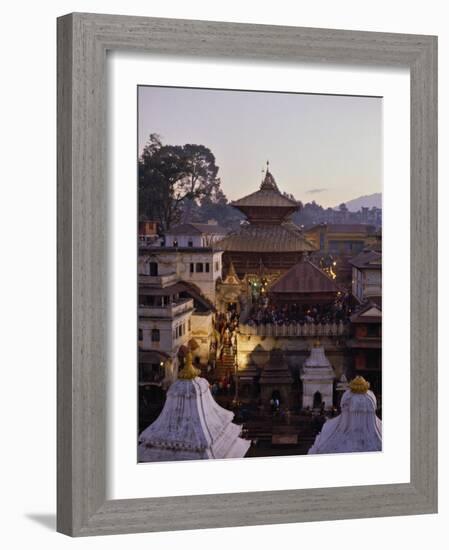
357,428
191,425
317,379
276,380
229,291
268,242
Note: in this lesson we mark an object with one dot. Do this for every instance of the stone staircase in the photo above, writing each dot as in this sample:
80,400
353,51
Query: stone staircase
225,365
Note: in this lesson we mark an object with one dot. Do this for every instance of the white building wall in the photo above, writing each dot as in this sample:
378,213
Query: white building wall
194,240
170,338
202,269
189,266
183,240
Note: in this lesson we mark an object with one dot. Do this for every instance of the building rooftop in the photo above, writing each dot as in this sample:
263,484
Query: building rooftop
285,237
151,249
369,313
367,259
197,229
304,277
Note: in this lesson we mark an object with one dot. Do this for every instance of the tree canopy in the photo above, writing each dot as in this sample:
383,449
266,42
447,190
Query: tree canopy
173,179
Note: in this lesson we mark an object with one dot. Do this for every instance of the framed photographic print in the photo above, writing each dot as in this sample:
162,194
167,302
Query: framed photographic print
246,274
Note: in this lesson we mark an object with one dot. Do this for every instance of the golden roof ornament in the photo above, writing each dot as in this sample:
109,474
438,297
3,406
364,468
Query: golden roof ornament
359,385
188,372
316,343
232,277
268,182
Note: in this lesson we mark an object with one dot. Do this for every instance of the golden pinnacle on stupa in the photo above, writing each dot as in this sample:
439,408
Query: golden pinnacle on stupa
188,372
359,385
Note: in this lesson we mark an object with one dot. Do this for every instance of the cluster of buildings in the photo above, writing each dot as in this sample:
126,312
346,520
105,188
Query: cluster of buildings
342,215
308,301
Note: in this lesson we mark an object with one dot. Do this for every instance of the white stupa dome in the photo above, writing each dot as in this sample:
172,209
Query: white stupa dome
191,425
357,428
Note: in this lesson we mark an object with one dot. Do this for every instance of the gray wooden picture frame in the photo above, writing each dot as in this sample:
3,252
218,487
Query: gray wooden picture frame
83,40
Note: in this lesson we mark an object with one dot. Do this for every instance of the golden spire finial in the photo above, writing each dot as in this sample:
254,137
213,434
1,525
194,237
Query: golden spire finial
359,385
188,372
316,343
232,277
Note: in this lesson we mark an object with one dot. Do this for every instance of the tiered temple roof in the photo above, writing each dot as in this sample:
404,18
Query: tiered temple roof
269,229
270,238
268,196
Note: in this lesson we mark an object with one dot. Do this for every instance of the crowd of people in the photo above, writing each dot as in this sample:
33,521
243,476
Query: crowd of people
263,313
225,335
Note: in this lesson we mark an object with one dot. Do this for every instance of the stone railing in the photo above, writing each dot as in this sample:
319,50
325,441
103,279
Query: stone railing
298,330
158,280
169,311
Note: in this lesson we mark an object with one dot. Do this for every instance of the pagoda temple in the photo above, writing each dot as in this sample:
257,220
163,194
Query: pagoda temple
268,243
191,425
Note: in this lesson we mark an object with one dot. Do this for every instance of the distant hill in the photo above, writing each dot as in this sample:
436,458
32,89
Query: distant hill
367,200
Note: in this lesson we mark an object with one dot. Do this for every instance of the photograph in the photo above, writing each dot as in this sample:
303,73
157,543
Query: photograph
259,273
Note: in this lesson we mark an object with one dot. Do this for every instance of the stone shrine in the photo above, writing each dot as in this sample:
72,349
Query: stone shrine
317,377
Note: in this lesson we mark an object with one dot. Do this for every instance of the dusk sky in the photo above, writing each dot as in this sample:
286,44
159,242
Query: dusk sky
320,147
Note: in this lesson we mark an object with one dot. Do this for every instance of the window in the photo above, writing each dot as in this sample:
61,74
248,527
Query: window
190,243
199,267
155,335
175,242
192,268
190,325
153,269
373,331
207,266
217,266
140,335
